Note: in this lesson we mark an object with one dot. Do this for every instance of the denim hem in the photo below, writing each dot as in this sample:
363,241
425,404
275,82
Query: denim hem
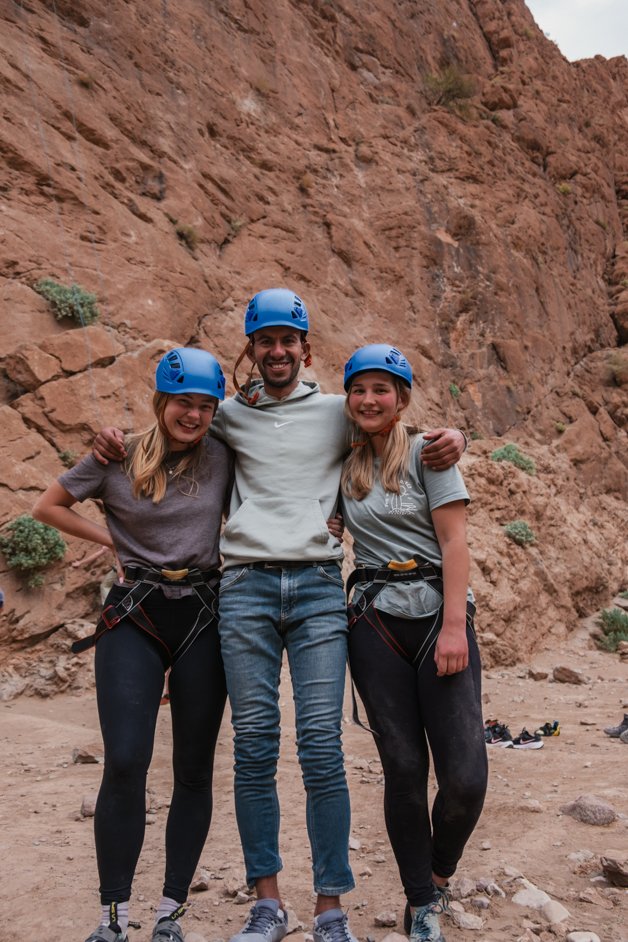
335,890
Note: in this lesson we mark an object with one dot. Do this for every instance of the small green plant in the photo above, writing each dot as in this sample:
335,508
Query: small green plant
475,436
188,235
448,87
624,283
624,594
512,454
614,625
454,390
68,458
74,302
519,532
560,427
563,188
30,546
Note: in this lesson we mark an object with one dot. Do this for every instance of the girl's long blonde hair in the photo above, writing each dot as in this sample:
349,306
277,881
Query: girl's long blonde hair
359,472
147,450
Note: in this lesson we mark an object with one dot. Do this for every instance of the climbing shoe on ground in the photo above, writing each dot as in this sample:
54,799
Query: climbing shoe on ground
332,926
526,740
549,729
266,922
615,731
498,735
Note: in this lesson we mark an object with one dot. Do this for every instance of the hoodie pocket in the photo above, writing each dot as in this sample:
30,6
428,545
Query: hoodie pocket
278,528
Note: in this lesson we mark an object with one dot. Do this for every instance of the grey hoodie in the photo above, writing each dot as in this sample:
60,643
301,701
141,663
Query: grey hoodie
288,459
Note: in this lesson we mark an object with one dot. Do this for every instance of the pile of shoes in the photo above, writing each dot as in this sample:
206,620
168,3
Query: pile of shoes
619,732
498,734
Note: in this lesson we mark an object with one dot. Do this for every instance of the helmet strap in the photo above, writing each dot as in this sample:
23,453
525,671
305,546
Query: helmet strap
383,432
244,390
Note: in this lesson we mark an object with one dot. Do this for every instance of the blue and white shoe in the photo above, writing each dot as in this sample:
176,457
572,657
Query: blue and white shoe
266,922
332,926
425,924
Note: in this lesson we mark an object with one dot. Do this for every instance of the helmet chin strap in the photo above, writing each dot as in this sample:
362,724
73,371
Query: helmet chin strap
244,391
383,432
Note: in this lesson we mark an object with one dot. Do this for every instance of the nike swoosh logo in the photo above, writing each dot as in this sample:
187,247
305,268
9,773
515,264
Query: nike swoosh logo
281,424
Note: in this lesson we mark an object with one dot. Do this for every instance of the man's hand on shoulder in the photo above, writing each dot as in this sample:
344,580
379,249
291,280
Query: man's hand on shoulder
109,446
446,447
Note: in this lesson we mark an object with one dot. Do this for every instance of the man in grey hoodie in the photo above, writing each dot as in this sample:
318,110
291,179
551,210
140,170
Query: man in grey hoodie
282,589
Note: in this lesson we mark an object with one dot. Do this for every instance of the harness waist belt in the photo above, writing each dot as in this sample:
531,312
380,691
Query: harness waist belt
389,574
170,576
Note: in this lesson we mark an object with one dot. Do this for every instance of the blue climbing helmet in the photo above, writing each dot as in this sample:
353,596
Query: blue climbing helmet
275,307
378,356
187,369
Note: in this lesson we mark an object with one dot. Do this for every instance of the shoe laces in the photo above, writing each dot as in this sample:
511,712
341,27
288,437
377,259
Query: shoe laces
261,919
336,930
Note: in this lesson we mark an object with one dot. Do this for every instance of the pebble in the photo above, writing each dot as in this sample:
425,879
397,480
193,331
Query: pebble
200,881
582,937
394,937
480,902
241,898
88,805
294,923
590,810
82,756
554,912
485,845
615,867
462,887
566,675
385,919
355,843
468,921
533,898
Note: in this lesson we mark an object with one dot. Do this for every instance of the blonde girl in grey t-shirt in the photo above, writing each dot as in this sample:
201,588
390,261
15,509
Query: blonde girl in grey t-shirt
412,645
163,508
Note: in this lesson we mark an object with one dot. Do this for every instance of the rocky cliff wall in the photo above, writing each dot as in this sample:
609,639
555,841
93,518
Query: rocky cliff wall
433,174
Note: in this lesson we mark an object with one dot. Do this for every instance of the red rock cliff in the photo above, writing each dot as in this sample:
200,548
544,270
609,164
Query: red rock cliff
434,174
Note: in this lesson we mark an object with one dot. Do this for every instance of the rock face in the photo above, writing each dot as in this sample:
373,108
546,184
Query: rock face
436,175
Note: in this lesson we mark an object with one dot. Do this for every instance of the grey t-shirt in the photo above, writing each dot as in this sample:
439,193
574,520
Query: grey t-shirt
387,526
181,531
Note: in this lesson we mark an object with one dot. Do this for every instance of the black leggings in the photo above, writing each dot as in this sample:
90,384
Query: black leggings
408,710
130,670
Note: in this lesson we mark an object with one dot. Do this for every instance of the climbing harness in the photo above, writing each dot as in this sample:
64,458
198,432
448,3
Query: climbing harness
377,578
145,581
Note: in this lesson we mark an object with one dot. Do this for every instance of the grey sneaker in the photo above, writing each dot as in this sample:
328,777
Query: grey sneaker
615,731
623,737
425,925
266,922
332,926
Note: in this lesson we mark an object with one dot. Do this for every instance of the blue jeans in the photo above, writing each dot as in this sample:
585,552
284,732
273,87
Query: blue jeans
301,609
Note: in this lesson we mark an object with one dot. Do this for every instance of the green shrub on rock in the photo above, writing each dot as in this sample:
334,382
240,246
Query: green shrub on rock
519,532
512,454
74,302
30,546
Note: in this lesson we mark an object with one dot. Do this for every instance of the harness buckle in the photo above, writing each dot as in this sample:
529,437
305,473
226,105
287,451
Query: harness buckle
174,575
110,623
405,566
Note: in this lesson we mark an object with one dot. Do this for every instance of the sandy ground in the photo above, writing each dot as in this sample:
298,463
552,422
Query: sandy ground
48,873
